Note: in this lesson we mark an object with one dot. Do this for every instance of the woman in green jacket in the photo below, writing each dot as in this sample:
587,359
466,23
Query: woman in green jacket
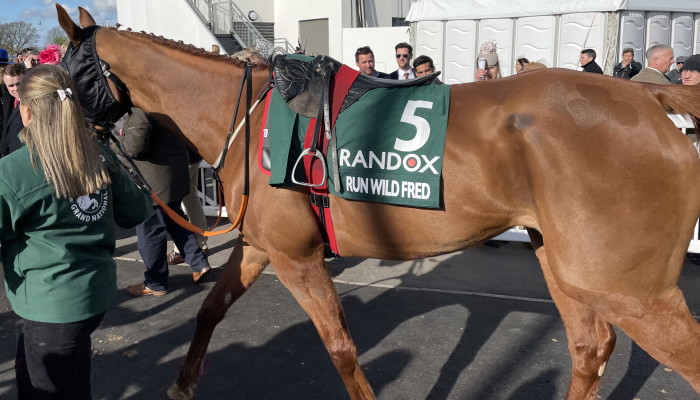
61,198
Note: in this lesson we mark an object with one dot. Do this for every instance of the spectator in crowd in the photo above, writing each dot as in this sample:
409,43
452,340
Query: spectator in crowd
423,66
659,60
627,67
364,59
487,52
674,75
4,58
587,61
51,55
62,198
250,55
162,160
215,49
690,75
7,102
64,48
404,53
532,66
31,57
519,63
19,58
12,76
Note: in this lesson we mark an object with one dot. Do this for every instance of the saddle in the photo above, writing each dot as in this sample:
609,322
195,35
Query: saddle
301,83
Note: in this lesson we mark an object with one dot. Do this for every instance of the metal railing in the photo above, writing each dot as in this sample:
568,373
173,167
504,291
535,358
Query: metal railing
224,17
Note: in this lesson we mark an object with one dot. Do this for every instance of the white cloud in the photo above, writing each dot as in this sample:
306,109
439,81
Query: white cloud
104,11
47,12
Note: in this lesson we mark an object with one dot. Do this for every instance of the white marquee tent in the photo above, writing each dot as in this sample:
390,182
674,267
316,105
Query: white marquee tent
552,32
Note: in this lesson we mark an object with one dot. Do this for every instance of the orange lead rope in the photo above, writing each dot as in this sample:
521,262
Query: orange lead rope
193,228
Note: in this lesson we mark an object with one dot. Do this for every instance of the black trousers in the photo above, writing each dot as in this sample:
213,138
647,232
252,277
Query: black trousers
53,360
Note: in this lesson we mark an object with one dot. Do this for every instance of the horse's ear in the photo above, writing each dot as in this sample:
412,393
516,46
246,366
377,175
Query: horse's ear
85,18
72,30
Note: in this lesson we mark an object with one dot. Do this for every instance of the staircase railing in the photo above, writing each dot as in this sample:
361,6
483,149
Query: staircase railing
224,17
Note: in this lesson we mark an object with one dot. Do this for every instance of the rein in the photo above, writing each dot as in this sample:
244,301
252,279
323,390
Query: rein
247,81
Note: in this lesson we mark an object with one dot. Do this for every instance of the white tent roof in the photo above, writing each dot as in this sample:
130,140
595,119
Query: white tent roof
443,10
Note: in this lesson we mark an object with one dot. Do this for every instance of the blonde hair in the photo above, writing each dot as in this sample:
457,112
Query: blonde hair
58,136
251,55
532,66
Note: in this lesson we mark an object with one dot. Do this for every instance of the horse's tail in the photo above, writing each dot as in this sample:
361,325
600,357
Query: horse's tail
679,99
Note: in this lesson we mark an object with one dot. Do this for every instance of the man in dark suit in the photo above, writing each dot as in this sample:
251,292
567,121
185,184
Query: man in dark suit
163,161
12,121
424,66
587,61
627,67
364,59
404,54
6,99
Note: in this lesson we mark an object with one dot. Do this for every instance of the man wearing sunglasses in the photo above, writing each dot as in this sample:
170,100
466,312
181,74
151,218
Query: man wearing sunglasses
31,57
404,54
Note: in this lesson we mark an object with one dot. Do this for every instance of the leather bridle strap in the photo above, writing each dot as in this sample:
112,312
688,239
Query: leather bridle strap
118,83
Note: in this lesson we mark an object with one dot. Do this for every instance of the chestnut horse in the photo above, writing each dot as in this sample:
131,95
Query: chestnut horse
609,194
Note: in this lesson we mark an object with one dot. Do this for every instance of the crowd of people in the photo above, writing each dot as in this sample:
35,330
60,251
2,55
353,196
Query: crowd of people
660,59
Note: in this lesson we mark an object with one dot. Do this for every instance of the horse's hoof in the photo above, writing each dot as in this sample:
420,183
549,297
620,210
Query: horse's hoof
175,393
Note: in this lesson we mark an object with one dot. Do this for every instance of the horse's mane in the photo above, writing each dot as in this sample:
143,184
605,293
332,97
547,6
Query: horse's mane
186,48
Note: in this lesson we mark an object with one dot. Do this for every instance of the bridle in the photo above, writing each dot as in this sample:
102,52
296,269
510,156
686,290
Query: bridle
102,110
90,74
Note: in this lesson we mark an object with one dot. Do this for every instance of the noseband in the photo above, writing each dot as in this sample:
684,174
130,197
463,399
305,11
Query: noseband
90,74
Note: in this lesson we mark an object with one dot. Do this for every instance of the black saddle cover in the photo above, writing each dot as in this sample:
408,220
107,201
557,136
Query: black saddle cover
301,82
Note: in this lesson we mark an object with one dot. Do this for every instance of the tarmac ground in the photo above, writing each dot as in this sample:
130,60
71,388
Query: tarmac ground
476,324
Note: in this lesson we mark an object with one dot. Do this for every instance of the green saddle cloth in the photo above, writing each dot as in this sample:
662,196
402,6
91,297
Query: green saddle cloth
390,145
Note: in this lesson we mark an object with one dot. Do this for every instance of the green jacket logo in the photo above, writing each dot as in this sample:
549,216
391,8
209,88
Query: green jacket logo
90,207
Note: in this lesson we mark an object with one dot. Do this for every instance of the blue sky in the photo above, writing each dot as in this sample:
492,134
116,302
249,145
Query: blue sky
42,13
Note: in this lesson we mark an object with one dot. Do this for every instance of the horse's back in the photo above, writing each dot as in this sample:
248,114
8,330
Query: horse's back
555,150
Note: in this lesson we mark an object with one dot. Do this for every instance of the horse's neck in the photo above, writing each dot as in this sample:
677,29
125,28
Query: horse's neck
198,95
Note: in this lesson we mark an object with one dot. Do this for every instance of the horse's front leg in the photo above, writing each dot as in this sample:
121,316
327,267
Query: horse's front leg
244,266
311,285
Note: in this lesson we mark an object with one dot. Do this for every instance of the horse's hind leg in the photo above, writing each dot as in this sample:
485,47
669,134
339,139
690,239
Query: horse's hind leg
663,326
242,268
310,283
639,295
591,339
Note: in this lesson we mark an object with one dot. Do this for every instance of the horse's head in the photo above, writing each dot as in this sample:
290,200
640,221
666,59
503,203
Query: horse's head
103,96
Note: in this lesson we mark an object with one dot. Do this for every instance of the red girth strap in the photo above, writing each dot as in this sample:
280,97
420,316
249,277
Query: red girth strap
320,204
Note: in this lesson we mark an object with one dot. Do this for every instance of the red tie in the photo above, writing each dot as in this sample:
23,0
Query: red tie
405,75
16,103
